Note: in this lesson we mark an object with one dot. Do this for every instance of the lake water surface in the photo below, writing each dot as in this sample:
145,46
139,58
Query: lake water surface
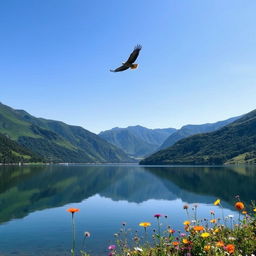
34,199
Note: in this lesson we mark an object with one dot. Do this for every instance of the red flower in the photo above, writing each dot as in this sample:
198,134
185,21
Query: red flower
230,248
157,216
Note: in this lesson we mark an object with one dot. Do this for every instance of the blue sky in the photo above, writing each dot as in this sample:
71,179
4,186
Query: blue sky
197,65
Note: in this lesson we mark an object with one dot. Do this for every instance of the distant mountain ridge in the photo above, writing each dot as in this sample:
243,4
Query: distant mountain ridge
56,141
189,130
232,144
136,141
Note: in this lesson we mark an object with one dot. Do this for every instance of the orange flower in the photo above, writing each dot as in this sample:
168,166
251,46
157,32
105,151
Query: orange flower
175,243
220,244
171,231
198,228
187,222
213,221
185,241
207,247
239,206
230,248
244,212
216,230
73,210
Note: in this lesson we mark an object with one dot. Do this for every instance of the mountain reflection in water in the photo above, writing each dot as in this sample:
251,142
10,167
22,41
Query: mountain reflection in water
27,189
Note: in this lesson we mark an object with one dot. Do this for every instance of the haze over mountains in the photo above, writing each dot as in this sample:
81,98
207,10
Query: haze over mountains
140,141
234,143
190,129
137,141
54,141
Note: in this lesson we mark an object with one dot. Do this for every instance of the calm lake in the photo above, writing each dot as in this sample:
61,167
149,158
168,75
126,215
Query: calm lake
34,199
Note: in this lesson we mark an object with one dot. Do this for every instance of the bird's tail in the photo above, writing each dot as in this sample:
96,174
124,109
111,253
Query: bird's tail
134,66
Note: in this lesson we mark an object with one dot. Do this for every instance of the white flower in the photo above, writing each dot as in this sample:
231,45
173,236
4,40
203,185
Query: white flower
231,216
138,249
231,238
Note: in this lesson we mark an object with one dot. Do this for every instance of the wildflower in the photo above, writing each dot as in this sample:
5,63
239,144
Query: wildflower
187,222
175,243
182,234
185,241
171,231
198,228
231,216
207,247
185,206
230,248
217,202
138,249
216,230
231,238
244,212
145,224
157,216
213,221
87,234
112,247
205,234
212,212
73,210
239,206
220,244
254,209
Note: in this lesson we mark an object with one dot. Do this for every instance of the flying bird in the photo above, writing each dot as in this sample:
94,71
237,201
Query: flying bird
129,63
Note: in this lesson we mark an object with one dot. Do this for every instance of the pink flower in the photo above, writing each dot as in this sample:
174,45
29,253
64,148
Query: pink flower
112,247
157,216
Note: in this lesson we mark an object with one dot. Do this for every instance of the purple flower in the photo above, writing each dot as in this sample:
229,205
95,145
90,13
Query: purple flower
182,234
112,247
157,216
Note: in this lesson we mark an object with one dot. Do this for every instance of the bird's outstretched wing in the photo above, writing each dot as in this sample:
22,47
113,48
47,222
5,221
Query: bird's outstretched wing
134,55
122,68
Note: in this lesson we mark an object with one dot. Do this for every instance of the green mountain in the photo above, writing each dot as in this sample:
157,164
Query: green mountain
137,141
56,141
234,143
189,130
12,152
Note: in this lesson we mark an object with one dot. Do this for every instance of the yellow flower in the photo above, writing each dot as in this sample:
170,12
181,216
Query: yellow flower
207,247
254,209
145,224
185,241
216,230
205,234
244,212
213,221
187,222
217,202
